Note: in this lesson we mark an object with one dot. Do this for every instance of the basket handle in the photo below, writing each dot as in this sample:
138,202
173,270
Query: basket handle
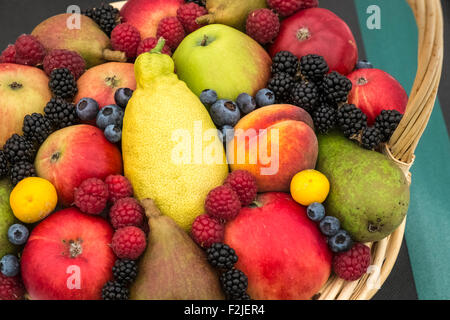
428,14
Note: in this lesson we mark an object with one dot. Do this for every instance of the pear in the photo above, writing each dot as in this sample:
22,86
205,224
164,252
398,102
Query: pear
171,149
233,13
6,219
86,38
369,194
173,267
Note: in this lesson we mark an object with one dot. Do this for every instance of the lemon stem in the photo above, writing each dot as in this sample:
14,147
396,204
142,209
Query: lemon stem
159,46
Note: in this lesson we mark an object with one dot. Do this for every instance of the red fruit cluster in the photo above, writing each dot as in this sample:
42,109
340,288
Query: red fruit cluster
223,204
60,58
148,44
287,8
351,265
118,187
29,51
126,212
129,243
8,55
126,38
187,15
172,30
263,25
91,196
11,288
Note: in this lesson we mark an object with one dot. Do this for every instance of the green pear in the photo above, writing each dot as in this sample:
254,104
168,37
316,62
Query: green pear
369,194
173,267
6,219
87,39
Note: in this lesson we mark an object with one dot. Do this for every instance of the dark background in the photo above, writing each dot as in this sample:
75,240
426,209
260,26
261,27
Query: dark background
21,16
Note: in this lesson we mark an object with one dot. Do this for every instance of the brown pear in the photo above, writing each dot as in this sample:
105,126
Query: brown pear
173,267
63,32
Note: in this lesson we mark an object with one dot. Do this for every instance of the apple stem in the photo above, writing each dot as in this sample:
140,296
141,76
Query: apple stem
151,210
303,34
117,56
204,41
256,204
75,248
362,81
159,46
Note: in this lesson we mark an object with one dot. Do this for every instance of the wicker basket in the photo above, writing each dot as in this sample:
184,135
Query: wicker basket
400,149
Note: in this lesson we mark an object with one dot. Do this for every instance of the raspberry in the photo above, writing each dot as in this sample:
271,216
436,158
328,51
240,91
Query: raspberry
126,38
187,14
118,187
263,25
8,55
11,288
288,7
126,212
351,265
29,51
244,184
148,44
207,230
91,196
223,203
172,30
129,243
60,58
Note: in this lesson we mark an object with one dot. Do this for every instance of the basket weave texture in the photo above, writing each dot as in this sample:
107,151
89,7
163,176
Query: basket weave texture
400,149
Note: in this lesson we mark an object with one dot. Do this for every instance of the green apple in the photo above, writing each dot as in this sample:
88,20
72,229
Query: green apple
23,90
224,59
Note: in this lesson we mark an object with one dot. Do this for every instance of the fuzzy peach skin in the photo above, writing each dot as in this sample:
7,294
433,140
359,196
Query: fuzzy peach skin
145,15
274,143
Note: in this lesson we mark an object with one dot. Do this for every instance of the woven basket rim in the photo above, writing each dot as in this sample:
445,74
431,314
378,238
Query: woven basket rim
400,149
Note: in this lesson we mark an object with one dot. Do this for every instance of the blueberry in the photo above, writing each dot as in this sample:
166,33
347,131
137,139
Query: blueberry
363,64
87,109
246,103
111,114
315,211
122,96
265,97
340,242
113,133
329,226
18,234
225,112
208,97
9,265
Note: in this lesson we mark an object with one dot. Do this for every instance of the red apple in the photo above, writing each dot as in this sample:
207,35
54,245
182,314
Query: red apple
73,154
68,257
101,82
23,90
318,31
282,252
375,90
145,15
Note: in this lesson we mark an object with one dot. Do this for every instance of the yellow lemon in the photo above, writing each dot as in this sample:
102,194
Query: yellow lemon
309,186
33,199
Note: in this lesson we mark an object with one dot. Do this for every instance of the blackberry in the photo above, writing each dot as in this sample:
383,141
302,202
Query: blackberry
351,120
221,256
387,122
336,87
324,118
113,290
62,83
281,84
20,171
125,271
201,3
285,61
313,67
371,138
36,128
3,164
245,296
17,149
234,283
305,95
106,16
61,113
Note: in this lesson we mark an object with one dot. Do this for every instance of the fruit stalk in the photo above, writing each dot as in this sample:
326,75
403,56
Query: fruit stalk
111,55
159,46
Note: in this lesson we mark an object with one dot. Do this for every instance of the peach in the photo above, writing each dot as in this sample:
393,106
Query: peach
274,143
